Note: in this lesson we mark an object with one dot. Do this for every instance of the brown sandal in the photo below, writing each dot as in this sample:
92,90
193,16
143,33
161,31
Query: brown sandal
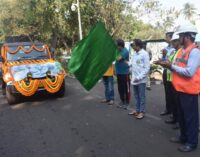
134,113
140,115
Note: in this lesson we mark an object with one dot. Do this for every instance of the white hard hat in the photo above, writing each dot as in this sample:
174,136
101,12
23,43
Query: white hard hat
186,28
197,38
169,33
175,36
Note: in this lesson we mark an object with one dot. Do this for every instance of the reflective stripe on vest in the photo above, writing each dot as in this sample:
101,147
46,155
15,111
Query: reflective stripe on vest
172,59
182,83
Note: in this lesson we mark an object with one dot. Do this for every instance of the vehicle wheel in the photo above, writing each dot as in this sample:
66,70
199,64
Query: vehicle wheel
11,98
3,88
61,92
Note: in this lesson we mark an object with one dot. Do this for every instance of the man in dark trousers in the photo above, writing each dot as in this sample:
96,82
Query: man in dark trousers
172,92
169,49
186,81
122,72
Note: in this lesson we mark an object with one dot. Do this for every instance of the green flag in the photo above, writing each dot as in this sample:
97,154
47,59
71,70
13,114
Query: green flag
92,56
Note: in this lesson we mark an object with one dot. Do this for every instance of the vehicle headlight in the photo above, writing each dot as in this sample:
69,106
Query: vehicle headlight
7,77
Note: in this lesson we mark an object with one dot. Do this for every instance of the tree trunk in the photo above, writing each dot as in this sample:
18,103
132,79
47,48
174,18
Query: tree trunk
54,40
66,45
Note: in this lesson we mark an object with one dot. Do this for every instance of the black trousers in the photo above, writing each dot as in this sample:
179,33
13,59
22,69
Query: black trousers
167,88
172,100
188,118
123,82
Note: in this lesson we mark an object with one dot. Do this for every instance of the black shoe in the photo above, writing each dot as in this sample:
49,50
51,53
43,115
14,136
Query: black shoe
176,140
164,113
176,126
124,107
148,88
186,148
170,121
119,106
171,117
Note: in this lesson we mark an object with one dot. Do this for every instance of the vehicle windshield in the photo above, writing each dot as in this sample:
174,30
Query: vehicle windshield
21,55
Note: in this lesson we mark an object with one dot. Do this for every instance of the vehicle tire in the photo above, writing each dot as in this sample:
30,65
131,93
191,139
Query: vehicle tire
11,98
61,92
3,88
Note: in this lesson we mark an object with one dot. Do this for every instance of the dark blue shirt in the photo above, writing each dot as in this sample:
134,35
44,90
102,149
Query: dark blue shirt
122,66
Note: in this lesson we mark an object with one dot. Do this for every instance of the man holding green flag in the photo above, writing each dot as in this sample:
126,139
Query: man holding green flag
92,56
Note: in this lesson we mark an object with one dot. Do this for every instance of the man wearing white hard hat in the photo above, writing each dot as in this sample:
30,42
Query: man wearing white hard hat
168,50
186,81
172,92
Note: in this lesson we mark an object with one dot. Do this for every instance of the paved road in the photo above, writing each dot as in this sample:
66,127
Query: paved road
78,125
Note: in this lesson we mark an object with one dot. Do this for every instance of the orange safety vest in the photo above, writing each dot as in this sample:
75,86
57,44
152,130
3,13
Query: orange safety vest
182,83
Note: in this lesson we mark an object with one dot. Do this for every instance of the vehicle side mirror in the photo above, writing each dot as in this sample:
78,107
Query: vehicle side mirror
1,59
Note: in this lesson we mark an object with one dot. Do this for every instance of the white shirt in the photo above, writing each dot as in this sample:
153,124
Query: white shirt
140,67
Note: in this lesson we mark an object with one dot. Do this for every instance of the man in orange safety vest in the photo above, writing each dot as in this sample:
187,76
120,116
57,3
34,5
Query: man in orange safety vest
186,81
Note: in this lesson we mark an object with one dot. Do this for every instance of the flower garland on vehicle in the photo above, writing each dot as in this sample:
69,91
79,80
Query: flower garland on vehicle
28,89
53,86
7,49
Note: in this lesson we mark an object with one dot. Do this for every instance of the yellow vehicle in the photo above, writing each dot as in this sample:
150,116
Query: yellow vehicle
27,68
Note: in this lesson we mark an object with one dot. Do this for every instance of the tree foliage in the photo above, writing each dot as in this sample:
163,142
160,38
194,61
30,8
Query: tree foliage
189,11
54,22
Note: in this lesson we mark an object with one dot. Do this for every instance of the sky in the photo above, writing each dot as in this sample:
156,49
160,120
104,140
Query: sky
179,3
